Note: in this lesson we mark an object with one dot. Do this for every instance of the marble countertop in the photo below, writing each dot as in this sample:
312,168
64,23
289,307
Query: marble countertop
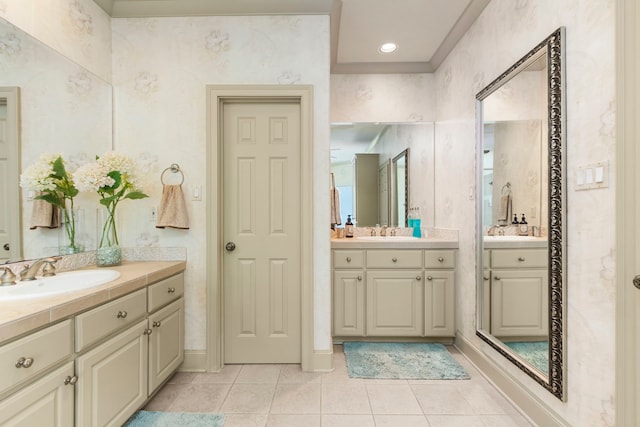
514,242
19,317
398,242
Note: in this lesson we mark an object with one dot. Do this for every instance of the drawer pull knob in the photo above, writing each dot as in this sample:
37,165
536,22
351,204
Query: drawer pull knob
418,278
147,331
496,278
348,259
521,259
156,324
485,278
171,290
71,380
359,278
394,259
440,259
429,278
24,362
122,315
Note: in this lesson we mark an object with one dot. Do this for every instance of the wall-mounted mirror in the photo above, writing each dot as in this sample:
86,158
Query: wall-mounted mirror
521,206
64,109
373,171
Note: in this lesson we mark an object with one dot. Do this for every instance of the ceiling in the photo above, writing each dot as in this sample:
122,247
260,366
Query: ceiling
424,30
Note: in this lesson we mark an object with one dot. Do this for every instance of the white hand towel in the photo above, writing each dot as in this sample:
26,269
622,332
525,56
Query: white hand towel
504,212
172,211
44,215
335,206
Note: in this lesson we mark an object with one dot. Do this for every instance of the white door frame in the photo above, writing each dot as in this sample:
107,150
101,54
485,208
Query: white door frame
627,209
217,95
12,95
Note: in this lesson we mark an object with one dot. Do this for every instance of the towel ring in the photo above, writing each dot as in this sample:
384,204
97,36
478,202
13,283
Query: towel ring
175,168
507,187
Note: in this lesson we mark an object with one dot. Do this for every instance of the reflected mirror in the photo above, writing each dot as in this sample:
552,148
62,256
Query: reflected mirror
63,109
373,172
522,245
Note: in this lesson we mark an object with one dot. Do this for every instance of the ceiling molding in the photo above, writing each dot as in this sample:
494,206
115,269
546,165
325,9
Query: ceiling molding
166,8
382,68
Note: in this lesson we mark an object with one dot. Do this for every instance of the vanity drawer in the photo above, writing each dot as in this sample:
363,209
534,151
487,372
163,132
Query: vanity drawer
348,259
518,258
166,291
394,258
38,351
102,321
439,259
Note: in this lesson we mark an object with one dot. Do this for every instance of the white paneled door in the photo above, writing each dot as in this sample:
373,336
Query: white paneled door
261,226
9,169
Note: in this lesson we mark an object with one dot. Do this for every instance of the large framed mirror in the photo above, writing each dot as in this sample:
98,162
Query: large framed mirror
372,171
63,109
521,277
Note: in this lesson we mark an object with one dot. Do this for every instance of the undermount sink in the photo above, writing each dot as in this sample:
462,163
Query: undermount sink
387,238
61,283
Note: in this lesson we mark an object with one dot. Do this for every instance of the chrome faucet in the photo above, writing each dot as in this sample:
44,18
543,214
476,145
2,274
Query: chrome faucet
29,272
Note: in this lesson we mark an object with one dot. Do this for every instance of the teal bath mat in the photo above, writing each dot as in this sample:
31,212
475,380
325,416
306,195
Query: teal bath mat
415,361
172,419
536,353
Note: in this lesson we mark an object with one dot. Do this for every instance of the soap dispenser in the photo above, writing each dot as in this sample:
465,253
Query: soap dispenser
523,227
515,219
348,227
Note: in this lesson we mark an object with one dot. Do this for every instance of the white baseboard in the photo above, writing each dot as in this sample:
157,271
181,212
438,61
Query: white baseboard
194,361
322,361
529,404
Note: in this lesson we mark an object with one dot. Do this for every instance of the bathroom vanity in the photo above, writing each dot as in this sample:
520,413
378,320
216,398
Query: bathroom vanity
93,357
388,288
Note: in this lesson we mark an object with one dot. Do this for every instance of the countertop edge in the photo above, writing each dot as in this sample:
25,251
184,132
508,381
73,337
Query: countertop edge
418,244
36,314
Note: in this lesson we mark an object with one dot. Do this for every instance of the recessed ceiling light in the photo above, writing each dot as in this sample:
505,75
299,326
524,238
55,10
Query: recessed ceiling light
388,47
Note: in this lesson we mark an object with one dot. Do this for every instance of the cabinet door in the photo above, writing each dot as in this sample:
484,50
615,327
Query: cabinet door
439,316
394,303
46,403
112,379
519,303
166,343
348,303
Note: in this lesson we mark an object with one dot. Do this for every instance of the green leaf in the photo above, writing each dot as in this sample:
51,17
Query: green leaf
106,202
117,178
52,198
134,195
58,168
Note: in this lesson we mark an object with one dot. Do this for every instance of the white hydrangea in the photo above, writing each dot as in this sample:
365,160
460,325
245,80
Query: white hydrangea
127,167
37,177
92,176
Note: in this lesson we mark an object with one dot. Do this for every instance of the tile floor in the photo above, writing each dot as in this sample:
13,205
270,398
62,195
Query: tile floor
284,396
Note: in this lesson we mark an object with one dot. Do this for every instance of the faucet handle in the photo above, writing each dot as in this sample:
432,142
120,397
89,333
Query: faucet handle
7,278
49,269
24,271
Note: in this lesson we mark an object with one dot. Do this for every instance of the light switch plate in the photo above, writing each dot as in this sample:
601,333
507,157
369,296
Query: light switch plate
589,177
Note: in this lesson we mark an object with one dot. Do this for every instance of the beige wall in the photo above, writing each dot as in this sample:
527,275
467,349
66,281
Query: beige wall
504,32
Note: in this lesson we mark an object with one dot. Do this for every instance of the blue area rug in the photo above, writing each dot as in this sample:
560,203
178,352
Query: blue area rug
416,361
172,419
536,353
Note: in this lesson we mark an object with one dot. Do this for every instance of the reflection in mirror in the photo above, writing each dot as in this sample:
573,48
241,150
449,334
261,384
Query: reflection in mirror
362,163
64,109
521,258
400,185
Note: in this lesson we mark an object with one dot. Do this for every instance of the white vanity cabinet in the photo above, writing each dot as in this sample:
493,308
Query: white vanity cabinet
393,292
98,367
519,288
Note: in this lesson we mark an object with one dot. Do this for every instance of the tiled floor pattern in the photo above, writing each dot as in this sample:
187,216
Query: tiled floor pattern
284,396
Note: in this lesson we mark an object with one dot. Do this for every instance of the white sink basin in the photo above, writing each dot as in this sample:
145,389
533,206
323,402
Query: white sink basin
61,283
387,238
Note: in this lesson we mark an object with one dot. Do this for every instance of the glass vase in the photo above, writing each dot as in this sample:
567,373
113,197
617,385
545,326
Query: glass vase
108,252
71,231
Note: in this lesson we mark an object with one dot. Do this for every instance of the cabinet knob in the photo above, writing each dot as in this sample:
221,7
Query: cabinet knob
348,259
24,362
171,290
147,331
359,278
496,278
71,380
394,259
121,314
418,278
485,278
440,259
156,324
429,278
521,258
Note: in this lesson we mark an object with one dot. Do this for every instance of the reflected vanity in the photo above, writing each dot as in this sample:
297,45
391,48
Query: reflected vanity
63,109
521,207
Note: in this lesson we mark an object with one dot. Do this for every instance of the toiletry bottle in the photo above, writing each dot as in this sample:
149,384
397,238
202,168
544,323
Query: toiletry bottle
410,217
515,219
348,227
523,227
417,222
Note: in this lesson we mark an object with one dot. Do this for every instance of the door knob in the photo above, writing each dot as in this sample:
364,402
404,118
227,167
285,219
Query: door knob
636,281
230,246
6,247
